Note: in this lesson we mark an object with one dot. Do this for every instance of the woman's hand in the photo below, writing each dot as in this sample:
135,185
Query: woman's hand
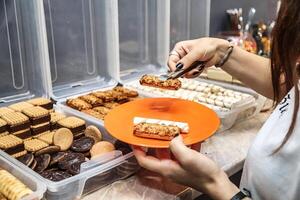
187,52
191,169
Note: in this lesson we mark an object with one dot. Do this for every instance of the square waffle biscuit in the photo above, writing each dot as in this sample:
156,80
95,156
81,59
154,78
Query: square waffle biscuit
78,104
4,133
34,145
46,137
3,126
91,99
23,134
37,115
94,114
11,144
55,117
43,102
16,121
40,128
20,106
19,154
75,124
11,187
5,110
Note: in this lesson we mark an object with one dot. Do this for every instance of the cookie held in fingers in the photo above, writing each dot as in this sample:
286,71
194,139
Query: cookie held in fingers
63,138
101,148
93,132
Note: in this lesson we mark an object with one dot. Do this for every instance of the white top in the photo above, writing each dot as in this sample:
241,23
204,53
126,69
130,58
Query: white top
275,177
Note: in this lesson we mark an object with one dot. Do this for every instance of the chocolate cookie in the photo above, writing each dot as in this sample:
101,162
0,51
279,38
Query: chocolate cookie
74,169
83,144
55,175
48,150
56,157
27,159
70,159
43,162
33,164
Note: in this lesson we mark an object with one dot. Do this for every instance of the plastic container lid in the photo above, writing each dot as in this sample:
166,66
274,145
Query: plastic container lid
23,61
83,45
144,36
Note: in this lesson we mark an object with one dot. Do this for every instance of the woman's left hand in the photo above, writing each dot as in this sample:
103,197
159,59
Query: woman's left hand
191,168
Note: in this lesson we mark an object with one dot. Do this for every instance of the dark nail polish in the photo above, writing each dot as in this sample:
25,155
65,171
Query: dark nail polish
179,66
195,73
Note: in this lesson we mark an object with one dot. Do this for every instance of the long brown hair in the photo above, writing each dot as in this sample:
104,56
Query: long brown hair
285,52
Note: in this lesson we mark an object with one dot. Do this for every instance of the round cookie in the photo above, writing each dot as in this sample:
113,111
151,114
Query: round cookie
63,138
27,159
93,132
101,148
48,150
83,144
43,162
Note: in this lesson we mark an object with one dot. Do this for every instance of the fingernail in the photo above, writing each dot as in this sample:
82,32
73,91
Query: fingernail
195,73
179,66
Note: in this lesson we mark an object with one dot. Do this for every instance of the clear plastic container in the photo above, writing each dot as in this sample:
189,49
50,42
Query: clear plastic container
38,187
189,19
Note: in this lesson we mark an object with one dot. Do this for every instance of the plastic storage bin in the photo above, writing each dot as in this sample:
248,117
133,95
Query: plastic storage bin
38,187
189,19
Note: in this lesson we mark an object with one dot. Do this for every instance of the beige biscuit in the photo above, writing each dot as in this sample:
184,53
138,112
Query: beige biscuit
47,137
20,134
19,154
39,125
78,104
56,116
94,114
102,110
20,106
35,112
34,145
127,92
63,138
15,118
2,122
43,133
9,141
4,133
5,110
93,132
91,99
39,101
111,105
71,122
106,96
101,148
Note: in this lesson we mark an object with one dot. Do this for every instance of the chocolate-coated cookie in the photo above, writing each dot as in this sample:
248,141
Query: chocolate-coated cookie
70,159
55,175
83,144
33,164
74,169
27,159
56,157
48,150
43,162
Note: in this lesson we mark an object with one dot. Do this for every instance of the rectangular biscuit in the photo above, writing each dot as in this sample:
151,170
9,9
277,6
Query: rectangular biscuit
34,145
46,137
102,110
42,102
4,133
23,134
155,81
37,115
16,121
40,128
111,105
20,106
94,114
106,96
19,154
129,93
11,144
91,99
120,97
4,110
75,124
3,126
78,104
55,117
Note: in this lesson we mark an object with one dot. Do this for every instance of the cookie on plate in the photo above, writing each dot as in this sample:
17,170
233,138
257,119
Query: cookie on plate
37,115
16,121
42,102
78,104
11,144
20,106
75,124
91,99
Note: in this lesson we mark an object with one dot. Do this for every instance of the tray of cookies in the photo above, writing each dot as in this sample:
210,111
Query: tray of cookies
232,103
69,154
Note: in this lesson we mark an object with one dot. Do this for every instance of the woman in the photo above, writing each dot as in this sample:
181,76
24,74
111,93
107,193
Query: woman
272,167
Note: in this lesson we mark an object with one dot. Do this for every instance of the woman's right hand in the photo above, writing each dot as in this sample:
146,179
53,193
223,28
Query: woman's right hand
185,53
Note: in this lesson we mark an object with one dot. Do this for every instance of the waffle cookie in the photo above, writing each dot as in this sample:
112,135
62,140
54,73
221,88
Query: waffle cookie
4,133
41,128
11,187
20,106
19,154
75,124
91,99
37,115
46,137
158,129
155,81
5,110
78,104
94,114
23,134
16,121
106,96
11,144
42,102
55,117
102,110
3,126
34,145
129,93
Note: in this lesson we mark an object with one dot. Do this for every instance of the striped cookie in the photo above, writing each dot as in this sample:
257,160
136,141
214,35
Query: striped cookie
11,144
18,155
34,145
47,137
4,133
40,128
5,110
55,117
3,126
23,134
91,99
37,115
75,124
42,102
16,121
20,106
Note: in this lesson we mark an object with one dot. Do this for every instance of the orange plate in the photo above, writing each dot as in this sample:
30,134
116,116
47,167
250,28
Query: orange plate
203,122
